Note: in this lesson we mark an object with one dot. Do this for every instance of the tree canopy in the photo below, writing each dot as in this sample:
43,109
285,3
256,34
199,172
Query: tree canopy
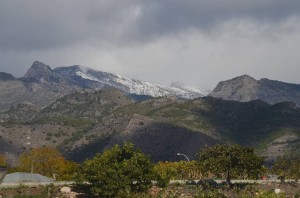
228,160
287,166
46,161
3,160
117,172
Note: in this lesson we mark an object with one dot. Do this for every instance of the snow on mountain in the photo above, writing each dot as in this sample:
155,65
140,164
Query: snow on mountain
97,80
86,76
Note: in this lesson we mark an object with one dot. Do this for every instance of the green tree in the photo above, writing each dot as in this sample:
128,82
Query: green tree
229,160
287,166
116,172
281,168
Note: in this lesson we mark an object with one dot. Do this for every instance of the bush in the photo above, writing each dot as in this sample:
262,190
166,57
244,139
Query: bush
164,171
162,180
207,183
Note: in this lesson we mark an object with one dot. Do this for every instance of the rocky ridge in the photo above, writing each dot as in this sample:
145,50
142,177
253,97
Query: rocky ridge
245,88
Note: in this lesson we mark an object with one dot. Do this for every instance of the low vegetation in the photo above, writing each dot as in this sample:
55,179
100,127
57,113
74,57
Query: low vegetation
125,171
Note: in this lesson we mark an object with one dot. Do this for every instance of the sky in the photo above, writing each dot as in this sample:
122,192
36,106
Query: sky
195,42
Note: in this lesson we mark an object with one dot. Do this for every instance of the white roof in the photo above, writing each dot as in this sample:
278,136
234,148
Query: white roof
19,177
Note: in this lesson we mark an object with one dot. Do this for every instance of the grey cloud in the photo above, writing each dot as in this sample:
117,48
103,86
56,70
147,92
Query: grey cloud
171,16
198,42
38,25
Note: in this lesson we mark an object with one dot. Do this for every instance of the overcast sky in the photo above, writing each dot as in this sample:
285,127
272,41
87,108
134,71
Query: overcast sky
196,42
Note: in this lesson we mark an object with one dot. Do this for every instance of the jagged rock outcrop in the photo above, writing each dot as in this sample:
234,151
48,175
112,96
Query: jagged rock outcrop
245,88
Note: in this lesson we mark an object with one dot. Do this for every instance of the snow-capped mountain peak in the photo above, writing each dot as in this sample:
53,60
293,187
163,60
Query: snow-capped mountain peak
96,80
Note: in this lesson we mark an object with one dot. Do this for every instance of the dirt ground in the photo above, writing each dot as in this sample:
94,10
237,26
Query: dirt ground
23,190
240,190
176,190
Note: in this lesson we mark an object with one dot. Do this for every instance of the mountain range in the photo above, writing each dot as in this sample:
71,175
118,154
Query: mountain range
82,111
42,85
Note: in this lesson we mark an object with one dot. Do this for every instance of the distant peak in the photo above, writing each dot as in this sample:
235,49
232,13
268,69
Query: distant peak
6,76
38,70
38,64
245,76
39,67
242,78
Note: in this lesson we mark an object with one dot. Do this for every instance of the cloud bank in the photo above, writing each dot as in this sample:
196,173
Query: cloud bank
196,42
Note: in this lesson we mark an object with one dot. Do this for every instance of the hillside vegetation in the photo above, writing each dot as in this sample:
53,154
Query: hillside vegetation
85,122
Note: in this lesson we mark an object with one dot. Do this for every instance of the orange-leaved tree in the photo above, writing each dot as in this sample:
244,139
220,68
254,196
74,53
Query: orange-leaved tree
47,161
3,160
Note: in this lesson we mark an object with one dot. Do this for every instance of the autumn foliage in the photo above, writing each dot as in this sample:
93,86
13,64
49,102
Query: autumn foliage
46,161
3,160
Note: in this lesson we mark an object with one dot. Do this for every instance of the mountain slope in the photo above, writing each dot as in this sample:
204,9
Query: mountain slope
86,122
245,88
62,123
